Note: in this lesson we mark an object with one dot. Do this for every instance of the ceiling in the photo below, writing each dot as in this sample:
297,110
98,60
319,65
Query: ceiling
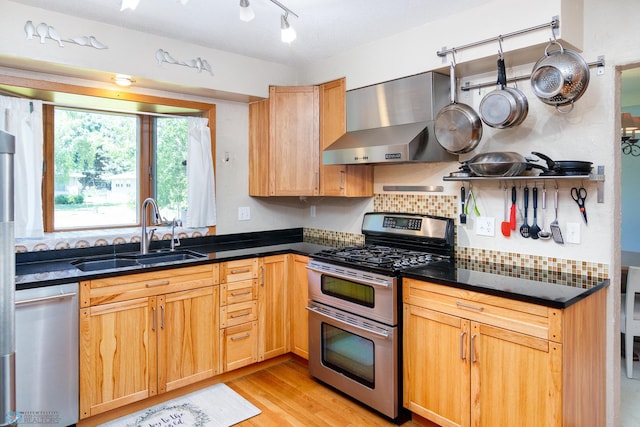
324,27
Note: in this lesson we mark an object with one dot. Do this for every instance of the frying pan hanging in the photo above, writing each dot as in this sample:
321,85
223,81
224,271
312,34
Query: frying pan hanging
458,128
503,107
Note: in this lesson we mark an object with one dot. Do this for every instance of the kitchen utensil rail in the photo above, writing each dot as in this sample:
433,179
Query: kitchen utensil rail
468,86
597,177
553,25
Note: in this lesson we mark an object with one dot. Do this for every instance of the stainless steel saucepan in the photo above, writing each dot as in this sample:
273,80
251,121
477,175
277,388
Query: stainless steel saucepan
503,107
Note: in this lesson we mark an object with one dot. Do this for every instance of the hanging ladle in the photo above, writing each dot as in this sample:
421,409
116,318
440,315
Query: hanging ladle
524,228
544,234
535,229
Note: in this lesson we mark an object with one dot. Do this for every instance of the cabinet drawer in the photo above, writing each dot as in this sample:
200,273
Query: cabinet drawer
236,314
240,346
130,286
236,292
241,269
531,319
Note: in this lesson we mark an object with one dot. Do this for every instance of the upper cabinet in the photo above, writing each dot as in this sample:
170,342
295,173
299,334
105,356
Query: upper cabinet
339,180
287,133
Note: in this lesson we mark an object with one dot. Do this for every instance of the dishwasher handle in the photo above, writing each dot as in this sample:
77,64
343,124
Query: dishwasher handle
45,299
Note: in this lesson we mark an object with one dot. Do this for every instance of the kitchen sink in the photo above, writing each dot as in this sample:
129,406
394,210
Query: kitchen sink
134,259
162,256
103,263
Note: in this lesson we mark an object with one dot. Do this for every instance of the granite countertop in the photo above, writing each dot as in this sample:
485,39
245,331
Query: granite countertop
37,269
548,288
543,287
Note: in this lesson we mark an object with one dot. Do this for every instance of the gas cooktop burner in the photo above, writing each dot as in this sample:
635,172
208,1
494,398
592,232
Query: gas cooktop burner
381,257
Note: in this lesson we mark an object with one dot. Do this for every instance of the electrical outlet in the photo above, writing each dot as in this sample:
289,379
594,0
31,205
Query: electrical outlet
312,211
573,233
244,213
486,226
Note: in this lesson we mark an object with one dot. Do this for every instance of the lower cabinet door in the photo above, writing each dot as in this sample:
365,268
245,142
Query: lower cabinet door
436,366
516,379
117,355
187,338
240,345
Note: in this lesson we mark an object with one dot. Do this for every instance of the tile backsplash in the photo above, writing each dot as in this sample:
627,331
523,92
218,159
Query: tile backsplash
446,205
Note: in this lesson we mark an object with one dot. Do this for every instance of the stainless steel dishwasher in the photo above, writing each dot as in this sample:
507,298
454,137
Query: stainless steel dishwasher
47,355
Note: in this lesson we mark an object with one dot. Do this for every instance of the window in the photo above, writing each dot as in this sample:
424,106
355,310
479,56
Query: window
98,164
98,159
96,169
157,148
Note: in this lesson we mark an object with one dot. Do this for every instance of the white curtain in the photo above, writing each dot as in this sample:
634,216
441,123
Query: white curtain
201,190
23,119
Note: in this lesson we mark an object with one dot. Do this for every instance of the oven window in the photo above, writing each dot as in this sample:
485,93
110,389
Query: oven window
347,290
349,354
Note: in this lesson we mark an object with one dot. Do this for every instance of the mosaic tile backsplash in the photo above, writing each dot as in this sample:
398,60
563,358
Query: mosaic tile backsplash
445,205
439,205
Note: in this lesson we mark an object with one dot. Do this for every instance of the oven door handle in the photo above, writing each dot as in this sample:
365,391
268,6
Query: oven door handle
362,280
342,322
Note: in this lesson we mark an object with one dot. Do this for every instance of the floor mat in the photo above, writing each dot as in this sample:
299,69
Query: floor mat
215,406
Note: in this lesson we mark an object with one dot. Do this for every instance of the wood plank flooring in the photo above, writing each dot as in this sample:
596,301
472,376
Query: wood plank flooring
285,393
288,396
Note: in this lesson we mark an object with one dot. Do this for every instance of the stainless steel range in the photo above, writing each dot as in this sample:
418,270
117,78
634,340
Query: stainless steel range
355,322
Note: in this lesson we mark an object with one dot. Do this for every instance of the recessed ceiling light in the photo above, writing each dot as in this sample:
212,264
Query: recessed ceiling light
123,80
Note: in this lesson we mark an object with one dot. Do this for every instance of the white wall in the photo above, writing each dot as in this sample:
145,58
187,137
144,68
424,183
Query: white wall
590,132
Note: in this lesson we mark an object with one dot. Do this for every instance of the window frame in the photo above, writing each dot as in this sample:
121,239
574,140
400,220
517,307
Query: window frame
98,99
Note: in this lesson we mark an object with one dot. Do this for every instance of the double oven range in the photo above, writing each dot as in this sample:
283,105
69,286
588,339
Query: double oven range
355,305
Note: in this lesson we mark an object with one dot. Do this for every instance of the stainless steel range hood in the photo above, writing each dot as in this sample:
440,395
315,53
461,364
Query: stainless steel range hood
392,122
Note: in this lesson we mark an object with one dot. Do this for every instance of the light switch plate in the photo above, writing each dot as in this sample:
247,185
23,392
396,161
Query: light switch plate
573,233
244,213
486,226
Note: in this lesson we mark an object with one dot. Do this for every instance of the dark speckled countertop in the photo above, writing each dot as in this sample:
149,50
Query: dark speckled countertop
36,269
548,288
544,287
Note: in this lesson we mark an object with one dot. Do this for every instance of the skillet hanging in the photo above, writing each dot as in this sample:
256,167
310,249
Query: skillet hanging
503,107
457,128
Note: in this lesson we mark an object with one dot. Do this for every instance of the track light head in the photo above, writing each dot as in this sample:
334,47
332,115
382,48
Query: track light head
246,12
287,33
129,4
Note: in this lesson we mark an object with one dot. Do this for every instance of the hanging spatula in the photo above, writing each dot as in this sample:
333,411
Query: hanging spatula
555,227
512,216
506,224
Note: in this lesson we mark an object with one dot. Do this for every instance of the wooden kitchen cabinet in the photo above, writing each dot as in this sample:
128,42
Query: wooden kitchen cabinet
239,313
287,133
284,146
472,359
299,301
273,307
145,334
339,180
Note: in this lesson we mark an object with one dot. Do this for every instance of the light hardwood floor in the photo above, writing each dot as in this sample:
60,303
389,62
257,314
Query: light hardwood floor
288,396
285,393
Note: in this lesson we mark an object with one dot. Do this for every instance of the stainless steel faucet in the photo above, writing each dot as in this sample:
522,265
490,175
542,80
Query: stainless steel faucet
156,218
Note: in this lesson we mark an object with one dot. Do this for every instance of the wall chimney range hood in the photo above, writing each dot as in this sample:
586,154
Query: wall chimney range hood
392,122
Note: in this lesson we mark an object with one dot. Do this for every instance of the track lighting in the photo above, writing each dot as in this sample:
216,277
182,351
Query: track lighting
246,11
287,33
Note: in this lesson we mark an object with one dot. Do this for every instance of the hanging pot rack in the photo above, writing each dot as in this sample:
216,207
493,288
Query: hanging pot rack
553,25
